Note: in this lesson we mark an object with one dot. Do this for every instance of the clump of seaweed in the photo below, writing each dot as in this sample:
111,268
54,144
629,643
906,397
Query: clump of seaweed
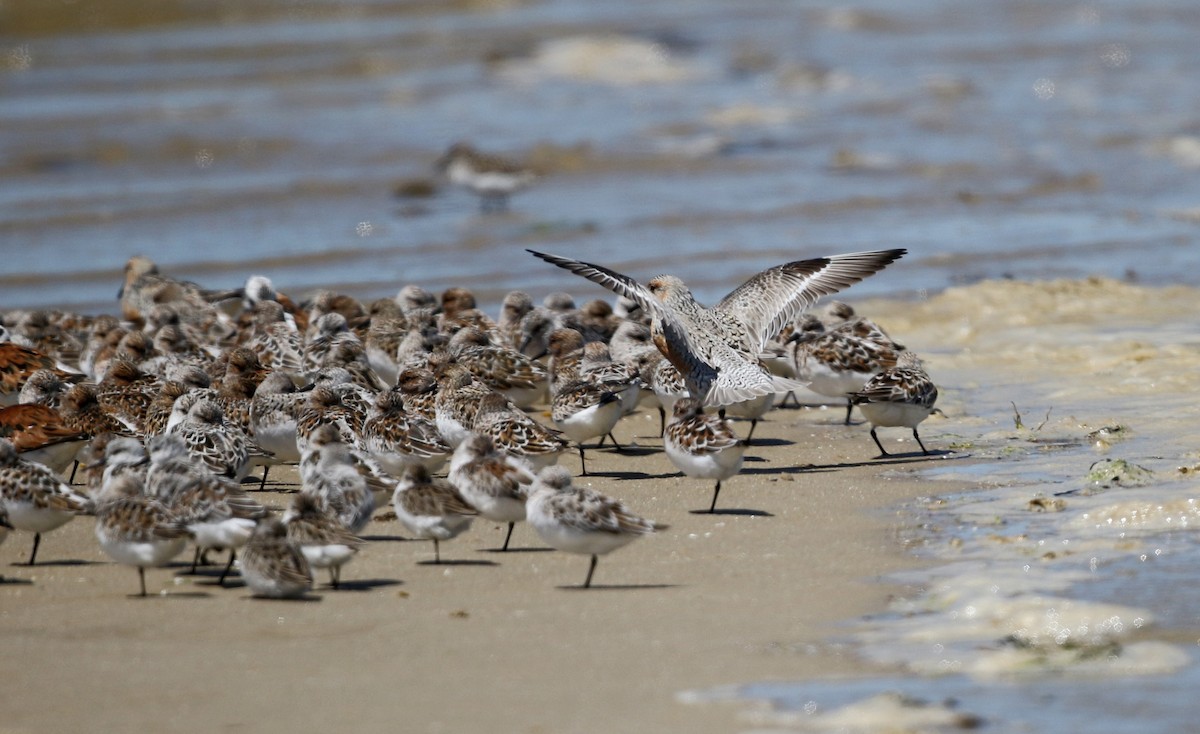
1108,473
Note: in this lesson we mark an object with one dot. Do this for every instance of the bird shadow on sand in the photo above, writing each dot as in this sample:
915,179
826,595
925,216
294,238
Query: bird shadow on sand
733,511
793,469
618,475
387,538
915,457
912,457
183,569
294,600
765,442
514,549
362,585
627,450
618,587
211,579
60,563
458,562
10,581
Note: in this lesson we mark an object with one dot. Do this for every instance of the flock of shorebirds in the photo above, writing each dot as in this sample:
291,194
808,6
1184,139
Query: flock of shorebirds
417,401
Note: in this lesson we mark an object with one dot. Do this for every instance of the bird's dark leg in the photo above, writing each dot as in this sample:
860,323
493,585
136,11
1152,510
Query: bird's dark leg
849,409
713,507
37,539
789,394
923,449
587,583
882,451
195,561
582,461
263,484
614,441
74,469
507,537
142,579
228,566
753,425
335,576
662,421
437,553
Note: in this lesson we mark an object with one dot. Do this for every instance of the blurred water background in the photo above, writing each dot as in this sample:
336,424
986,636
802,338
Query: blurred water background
704,138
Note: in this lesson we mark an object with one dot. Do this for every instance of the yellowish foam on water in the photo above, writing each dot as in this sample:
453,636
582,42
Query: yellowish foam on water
1038,378
1146,515
885,712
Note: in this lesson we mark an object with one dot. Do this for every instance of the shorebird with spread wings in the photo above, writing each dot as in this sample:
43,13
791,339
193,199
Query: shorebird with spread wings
718,349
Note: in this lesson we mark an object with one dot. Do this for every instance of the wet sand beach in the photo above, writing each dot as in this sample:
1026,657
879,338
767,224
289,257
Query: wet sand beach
486,641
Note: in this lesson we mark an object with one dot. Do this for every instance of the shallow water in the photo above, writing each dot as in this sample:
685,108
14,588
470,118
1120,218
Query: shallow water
1057,598
1016,138
1160,704
710,139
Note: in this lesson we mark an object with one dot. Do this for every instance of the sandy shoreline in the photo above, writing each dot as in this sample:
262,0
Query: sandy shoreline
506,643
494,642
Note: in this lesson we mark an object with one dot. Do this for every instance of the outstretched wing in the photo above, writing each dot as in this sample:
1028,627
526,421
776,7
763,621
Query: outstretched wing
665,319
773,298
622,285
